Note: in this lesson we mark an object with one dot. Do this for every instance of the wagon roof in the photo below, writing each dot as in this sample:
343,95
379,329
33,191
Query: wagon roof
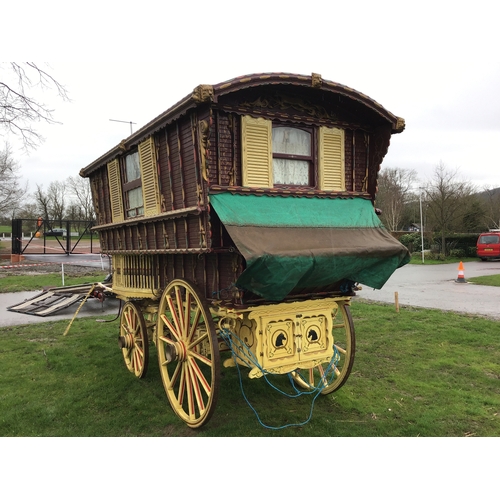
211,93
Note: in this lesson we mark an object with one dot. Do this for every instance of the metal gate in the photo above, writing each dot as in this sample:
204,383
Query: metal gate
42,236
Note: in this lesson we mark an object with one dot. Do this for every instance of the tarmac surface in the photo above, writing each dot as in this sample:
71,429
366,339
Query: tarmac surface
92,307
436,287
428,286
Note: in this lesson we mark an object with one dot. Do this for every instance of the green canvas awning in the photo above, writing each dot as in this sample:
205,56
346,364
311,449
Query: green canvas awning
299,243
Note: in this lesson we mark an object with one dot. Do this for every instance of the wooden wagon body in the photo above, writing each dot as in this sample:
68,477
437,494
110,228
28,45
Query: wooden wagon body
252,202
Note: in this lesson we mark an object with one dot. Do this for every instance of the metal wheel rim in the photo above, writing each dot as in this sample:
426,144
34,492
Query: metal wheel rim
345,344
134,336
188,353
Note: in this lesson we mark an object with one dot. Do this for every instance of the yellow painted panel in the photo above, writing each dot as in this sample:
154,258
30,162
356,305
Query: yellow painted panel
149,174
257,152
115,191
331,159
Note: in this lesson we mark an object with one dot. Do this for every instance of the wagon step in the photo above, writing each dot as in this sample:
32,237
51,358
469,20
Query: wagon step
55,299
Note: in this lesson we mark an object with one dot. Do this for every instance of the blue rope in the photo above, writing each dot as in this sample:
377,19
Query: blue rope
237,346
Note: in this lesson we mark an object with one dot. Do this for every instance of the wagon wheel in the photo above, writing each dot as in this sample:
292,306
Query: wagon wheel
343,359
133,340
188,353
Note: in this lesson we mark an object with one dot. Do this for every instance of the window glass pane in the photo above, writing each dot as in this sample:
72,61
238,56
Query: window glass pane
294,172
135,203
132,168
489,239
292,141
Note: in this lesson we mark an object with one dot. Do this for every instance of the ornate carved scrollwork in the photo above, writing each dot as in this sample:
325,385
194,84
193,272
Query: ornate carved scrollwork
316,80
204,130
400,124
283,102
203,93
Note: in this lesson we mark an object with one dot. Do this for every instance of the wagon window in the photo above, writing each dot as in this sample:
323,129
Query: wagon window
132,186
292,156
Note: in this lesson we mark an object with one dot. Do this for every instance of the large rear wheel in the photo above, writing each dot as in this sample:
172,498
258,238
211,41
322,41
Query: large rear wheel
188,353
331,376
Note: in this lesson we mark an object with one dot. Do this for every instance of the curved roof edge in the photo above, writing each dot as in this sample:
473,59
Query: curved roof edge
211,93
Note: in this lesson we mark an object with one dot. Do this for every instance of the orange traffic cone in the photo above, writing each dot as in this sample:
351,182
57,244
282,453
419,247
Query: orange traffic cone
461,276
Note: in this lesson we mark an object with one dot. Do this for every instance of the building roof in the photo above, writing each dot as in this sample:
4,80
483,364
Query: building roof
211,93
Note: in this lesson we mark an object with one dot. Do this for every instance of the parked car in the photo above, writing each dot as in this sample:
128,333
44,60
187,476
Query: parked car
488,245
55,231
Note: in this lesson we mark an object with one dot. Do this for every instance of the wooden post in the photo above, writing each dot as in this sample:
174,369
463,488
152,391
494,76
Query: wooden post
396,301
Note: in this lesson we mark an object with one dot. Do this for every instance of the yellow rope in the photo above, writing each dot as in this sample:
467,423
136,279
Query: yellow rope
78,310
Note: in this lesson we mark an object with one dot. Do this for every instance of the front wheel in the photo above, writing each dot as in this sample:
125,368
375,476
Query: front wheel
331,376
133,340
188,353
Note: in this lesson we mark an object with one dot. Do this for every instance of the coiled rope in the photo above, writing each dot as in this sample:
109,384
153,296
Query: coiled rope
240,351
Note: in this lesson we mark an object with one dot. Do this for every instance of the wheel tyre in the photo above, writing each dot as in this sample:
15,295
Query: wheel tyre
133,340
188,353
343,359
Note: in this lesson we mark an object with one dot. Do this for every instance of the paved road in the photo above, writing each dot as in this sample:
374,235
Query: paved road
91,308
88,260
435,287
431,286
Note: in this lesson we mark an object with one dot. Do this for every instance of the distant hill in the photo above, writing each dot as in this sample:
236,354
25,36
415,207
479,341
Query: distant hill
490,193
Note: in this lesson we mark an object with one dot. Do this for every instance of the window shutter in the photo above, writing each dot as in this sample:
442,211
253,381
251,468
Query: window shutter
115,191
331,159
149,174
257,152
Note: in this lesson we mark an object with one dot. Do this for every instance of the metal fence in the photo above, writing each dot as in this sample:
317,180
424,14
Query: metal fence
42,236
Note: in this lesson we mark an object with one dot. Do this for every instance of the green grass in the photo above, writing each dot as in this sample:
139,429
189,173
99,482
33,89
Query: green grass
417,373
416,258
493,280
37,282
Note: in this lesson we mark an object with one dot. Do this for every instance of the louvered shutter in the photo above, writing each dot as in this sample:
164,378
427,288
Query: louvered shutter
331,159
149,174
257,152
115,191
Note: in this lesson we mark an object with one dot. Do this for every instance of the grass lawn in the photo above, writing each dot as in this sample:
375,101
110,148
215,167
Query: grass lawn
417,373
9,284
416,258
493,280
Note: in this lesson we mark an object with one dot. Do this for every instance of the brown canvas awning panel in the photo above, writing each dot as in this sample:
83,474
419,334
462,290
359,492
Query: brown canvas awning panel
295,243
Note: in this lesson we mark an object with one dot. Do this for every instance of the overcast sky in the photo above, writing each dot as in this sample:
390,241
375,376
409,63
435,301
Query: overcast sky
436,64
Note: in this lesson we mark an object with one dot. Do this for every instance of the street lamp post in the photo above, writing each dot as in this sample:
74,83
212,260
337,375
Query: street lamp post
422,227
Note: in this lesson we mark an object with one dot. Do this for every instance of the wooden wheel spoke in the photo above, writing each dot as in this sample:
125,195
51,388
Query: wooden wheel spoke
342,358
196,390
202,358
175,318
191,374
187,315
340,349
200,339
173,330
135,344
189,390
195,370
180,310
194,324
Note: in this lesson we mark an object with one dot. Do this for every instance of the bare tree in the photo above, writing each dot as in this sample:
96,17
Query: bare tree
19,109
57,197
42,201
11,191
394,194
80,189
491,200
447,198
